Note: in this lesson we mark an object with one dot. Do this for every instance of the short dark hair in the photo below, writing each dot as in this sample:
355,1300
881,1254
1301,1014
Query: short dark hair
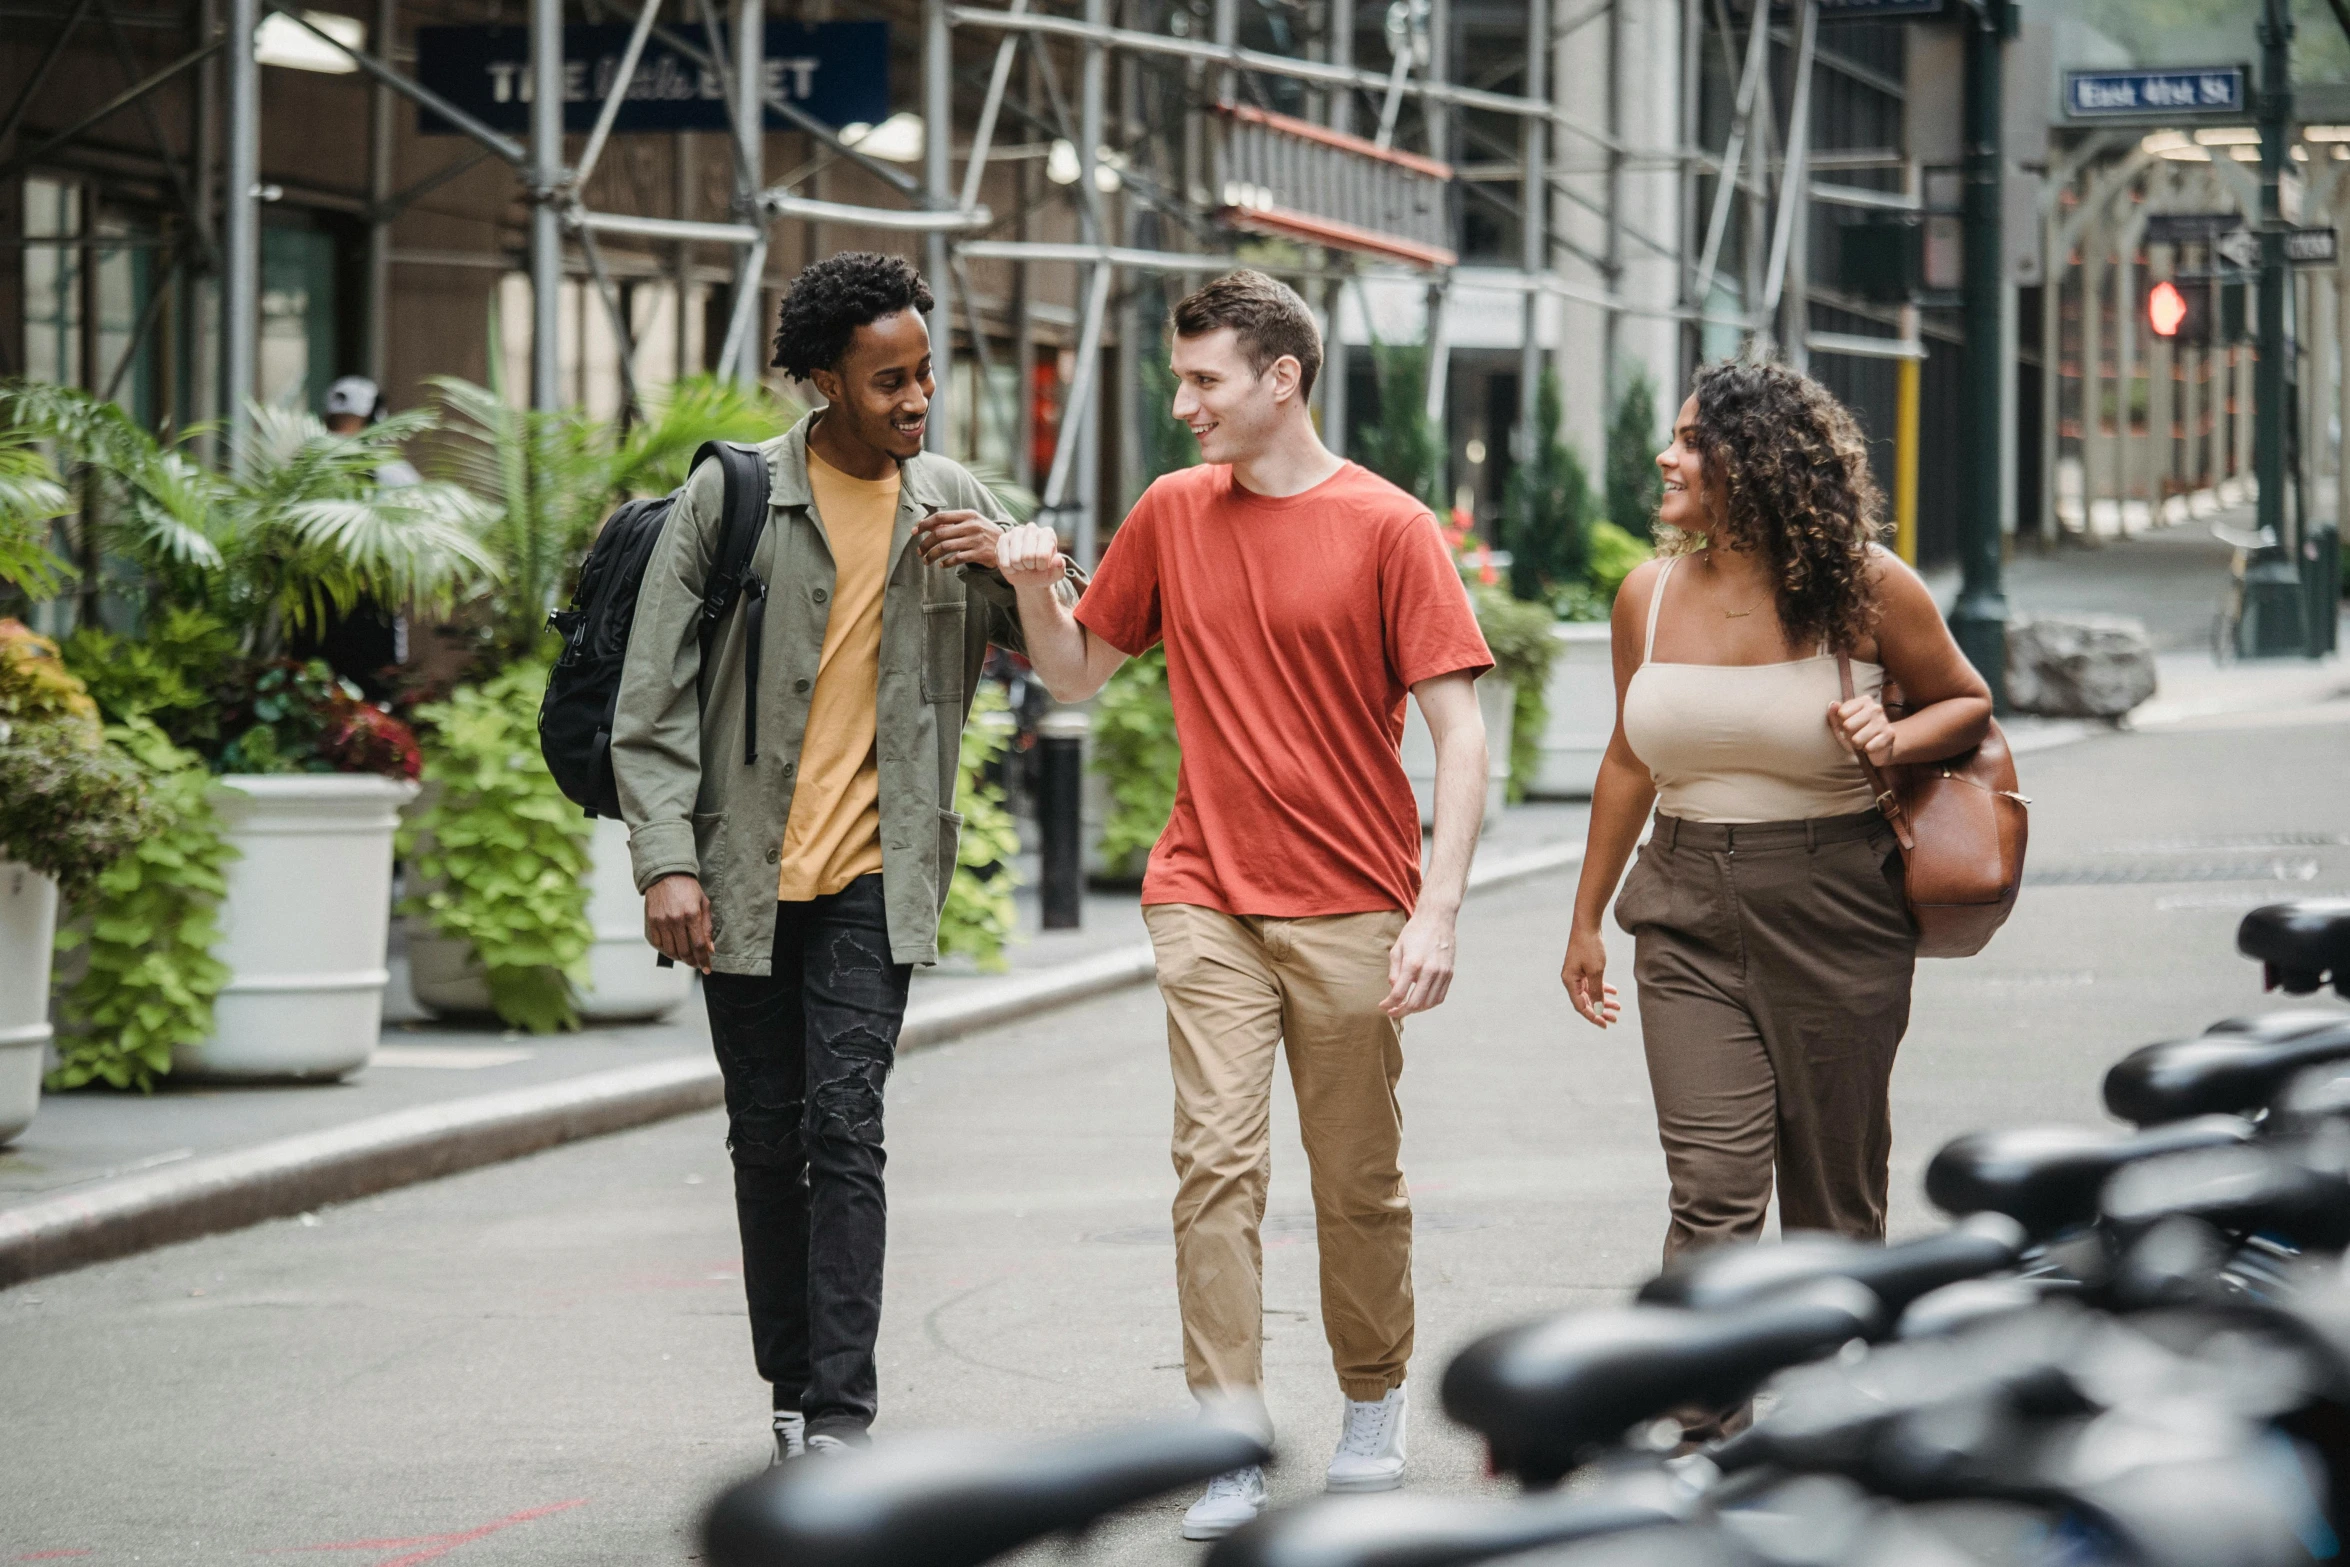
1267,316
828,301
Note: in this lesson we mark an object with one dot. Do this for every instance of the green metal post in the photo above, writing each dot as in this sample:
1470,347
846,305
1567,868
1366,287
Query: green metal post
2273,625
1979,619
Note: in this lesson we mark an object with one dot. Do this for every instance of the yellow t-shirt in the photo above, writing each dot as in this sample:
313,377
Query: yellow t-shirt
834,835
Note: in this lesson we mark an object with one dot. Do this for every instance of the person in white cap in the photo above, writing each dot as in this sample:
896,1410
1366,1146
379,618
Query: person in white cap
352,404
363,644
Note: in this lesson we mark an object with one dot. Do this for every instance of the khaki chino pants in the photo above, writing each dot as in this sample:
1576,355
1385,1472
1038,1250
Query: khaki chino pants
1237,989
1774,962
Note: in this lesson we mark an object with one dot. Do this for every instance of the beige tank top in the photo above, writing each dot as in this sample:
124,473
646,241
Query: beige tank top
1744,742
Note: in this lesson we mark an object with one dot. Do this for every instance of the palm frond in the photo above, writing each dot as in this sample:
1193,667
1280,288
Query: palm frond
1009,492
30,498
699,408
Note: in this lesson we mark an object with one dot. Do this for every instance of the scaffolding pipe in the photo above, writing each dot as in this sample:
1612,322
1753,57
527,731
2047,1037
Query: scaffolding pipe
381,148
1065,443
975,166
617,94
1433,89
240,325
546,227
750,131
504,146
938,67
1791,180
1533,232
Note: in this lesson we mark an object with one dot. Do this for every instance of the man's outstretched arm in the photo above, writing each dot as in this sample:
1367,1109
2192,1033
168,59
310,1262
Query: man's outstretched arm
1072,662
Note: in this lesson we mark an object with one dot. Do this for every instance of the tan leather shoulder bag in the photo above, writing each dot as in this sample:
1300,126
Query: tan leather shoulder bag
1962,825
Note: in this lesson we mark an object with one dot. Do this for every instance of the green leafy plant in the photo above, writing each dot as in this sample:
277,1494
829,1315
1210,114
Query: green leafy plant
548,478
30,499
1546,520
295,530
70,804
980,917
144,933
1614,552
1633,484
1167,443
1404,446
1518,634
1137,755
501,856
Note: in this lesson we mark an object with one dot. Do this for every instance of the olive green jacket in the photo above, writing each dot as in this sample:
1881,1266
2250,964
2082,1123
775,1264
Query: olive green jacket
691,802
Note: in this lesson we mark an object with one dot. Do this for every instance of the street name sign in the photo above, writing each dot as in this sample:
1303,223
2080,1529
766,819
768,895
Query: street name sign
2315,247
2214,90
835,71
2190,228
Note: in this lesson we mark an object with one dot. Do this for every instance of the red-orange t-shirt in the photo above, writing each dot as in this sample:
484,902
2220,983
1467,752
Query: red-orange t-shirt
1294,627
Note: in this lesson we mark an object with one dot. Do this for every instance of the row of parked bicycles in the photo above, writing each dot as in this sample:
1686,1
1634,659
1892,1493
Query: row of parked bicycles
2131,1347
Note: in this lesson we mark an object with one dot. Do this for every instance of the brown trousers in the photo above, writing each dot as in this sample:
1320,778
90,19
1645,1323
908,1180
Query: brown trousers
1774,962
1238,989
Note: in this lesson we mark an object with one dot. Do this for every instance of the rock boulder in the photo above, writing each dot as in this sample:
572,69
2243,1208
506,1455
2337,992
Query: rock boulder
2078,666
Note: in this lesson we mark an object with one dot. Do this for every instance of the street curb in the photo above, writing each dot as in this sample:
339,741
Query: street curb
290,1175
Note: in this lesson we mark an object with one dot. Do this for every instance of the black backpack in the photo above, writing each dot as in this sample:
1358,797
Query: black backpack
583,693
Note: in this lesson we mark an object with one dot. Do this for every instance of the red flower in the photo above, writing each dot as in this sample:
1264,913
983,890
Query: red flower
360,738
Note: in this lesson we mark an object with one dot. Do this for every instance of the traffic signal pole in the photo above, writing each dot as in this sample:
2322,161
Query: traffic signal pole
2272,624
1979,619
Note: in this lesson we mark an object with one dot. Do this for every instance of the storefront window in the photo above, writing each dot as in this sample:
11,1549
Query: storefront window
52,283
298,348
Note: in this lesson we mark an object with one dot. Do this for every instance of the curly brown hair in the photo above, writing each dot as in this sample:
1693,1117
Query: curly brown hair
1789,475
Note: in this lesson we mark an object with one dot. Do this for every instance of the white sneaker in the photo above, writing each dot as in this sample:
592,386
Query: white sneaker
1232,1500
791,1435
1370,1449
826,1446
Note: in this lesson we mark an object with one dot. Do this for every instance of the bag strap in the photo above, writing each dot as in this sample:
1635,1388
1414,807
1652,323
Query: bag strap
744,470
1887,801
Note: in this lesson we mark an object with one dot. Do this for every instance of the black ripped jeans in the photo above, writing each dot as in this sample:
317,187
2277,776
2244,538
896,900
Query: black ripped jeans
805,1052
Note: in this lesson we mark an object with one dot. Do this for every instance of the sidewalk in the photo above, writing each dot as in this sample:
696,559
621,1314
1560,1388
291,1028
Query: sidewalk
102,1174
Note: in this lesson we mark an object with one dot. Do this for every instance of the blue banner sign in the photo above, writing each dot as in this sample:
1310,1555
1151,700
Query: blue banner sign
835,71
2213,89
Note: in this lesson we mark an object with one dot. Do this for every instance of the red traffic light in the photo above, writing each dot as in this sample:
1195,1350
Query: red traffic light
2166,309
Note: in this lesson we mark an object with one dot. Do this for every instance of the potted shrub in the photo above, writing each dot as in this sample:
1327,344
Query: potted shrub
229,568
71,805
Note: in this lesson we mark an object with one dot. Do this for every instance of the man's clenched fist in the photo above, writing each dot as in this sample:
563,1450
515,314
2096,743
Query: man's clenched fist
1029,556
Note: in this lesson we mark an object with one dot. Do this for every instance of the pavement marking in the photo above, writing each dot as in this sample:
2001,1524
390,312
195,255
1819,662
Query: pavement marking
435,1546
446,1058
2157,872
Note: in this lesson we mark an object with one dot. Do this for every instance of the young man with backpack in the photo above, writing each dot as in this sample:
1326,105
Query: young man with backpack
788,779
1299,597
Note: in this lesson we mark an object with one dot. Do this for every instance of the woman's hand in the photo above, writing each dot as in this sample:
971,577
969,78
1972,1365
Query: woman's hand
1865,730
1585,975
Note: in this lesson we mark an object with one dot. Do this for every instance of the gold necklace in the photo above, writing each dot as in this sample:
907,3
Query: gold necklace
1734,614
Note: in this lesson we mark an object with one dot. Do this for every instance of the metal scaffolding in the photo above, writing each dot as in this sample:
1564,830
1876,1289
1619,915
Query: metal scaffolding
1495,128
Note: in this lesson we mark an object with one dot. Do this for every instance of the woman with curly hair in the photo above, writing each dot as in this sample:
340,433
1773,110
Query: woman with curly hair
1772,949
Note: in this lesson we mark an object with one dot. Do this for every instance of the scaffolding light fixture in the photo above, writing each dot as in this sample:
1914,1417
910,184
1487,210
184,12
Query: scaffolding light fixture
281,40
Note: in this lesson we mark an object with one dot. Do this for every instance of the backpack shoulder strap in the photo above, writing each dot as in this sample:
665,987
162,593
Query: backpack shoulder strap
744,470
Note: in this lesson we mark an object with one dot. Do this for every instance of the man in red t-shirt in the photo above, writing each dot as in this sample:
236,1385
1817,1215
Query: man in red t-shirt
1299,597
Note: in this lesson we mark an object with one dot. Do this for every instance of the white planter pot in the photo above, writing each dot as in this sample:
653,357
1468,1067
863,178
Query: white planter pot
28,932
1581,697
626,983
304,926
1495,700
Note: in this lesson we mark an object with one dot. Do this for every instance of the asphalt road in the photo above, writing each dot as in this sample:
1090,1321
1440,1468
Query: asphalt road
546,1362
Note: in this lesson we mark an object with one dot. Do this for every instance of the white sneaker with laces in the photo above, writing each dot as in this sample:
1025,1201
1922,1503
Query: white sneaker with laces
1370,1448
826,1446
791,1435
1232,1500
